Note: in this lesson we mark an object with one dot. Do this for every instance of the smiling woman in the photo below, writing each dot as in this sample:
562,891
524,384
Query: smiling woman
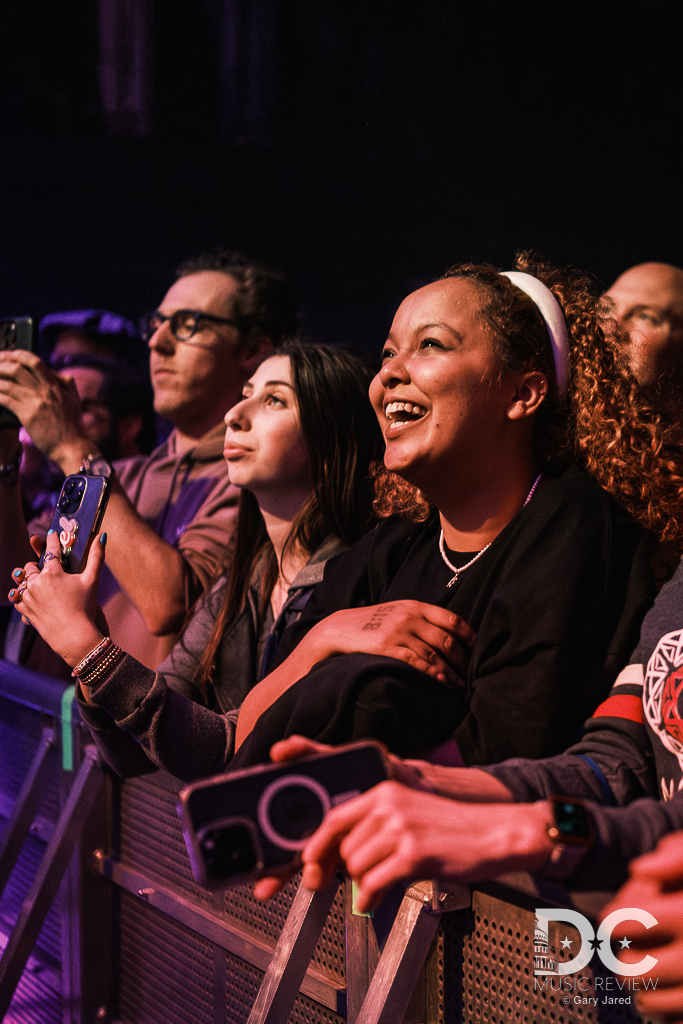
494,390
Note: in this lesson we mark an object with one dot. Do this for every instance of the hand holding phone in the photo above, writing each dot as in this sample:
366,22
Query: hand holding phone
62,606
77,518
16,332
59,594
256,822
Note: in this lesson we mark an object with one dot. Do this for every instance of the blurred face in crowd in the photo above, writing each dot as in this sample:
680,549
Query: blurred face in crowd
647,304
72,342
114,437
196,381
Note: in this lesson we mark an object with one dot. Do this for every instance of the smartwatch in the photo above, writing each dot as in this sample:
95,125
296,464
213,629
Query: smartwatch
572,834
97,465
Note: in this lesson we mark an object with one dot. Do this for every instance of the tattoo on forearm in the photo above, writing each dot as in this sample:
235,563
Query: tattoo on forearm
375,621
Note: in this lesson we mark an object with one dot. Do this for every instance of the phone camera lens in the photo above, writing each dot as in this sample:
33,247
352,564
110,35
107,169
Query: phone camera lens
69,486
229,851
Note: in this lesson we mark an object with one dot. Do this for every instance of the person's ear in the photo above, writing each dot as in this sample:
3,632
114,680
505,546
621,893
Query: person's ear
529,394
256,348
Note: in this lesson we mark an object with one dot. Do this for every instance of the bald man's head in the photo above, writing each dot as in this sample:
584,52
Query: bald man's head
647,303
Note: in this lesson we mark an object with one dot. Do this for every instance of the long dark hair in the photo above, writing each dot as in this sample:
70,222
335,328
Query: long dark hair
605,422
343,438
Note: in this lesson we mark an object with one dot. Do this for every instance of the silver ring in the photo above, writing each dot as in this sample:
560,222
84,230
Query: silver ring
48,557
20,592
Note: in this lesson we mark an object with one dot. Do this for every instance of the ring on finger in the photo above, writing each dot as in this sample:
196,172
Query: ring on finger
48,557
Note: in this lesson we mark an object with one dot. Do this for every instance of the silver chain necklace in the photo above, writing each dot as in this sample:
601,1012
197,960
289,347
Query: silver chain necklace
454,568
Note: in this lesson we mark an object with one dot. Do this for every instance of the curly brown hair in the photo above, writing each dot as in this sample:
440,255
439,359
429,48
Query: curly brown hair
605,422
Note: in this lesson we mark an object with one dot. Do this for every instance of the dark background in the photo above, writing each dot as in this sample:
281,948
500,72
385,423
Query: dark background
360,145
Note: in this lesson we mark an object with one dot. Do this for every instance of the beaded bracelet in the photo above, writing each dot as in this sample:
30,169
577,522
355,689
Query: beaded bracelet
102,667
102,646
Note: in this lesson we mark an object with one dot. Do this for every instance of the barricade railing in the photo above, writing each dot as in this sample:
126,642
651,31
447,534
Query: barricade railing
131,938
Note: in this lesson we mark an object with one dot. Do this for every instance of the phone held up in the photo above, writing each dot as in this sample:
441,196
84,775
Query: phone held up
15,332
77,518
256,822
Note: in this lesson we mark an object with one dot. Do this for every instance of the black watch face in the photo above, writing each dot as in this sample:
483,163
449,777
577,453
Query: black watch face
572,820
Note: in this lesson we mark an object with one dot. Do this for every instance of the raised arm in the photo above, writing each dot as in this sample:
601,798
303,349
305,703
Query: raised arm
153,573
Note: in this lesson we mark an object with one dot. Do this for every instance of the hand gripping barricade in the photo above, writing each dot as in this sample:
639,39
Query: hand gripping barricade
104,922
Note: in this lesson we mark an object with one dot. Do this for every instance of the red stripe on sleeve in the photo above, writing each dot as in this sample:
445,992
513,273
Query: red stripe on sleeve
621,705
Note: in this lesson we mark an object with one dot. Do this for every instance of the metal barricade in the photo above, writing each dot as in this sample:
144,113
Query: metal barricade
49,784
130,938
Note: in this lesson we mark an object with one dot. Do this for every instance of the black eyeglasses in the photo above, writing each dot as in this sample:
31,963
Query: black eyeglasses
184,323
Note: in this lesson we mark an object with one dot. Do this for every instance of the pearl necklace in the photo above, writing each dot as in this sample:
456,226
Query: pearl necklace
454,568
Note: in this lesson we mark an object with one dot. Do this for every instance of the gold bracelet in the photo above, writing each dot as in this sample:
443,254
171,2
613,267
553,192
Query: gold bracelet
102,646
102,668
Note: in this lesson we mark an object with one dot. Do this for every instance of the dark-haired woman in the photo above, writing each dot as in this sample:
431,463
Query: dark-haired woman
299,445
489,383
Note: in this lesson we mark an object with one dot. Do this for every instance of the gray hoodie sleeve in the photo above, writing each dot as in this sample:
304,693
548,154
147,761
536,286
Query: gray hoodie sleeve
623,833
607,763
139,723
612,764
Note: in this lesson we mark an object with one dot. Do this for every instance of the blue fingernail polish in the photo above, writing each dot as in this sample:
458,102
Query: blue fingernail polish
17,573
49,532
12,593
103,539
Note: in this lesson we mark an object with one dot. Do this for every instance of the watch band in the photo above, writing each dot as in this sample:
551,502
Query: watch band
564,861
97,465
572,833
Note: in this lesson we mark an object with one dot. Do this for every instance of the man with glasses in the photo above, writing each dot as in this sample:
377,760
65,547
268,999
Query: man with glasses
171,513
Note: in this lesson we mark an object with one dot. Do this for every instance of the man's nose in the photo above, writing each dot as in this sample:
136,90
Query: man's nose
162,339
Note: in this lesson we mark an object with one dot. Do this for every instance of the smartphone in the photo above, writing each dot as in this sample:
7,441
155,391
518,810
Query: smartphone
256,822
77,518
15,332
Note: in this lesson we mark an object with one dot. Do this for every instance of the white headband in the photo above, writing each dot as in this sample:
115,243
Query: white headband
552,314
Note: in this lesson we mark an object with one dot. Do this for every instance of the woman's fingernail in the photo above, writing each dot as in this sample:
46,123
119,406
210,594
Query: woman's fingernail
11,594
17,573
103,539
49,532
